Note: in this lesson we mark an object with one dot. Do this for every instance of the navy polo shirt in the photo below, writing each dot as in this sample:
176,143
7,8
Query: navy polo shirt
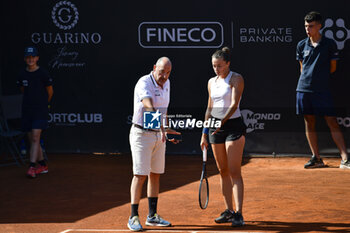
315,75
35,94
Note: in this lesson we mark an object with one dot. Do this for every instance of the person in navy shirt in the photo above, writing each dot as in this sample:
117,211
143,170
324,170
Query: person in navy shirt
318,57
36,86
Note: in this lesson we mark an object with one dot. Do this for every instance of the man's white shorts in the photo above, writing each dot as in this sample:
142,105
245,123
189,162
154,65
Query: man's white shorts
148,151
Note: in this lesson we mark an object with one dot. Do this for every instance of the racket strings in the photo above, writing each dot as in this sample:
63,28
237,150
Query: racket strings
203,194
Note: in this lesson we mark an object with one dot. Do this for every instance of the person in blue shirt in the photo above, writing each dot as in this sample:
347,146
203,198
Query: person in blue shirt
36,86
318,57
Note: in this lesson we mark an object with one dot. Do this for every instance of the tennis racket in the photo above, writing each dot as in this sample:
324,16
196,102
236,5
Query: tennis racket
204,185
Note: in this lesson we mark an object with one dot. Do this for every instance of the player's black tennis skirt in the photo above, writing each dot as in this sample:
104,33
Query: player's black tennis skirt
232,130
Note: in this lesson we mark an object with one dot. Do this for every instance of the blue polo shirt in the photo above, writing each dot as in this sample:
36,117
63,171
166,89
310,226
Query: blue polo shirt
315,75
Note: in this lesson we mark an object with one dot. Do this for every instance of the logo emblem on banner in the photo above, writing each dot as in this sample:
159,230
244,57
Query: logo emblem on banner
338,32
65,15
151,120
344,121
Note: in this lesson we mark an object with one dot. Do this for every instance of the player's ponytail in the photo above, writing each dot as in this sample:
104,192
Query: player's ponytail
223,53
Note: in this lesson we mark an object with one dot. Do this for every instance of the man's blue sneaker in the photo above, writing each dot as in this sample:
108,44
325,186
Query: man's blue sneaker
156,220
134,224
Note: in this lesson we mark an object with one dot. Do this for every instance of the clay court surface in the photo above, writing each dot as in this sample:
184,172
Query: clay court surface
90,193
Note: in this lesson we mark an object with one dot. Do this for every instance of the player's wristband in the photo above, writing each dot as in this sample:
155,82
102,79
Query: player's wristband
205,131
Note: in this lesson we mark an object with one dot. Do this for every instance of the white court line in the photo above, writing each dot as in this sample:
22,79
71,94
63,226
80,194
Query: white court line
65,231
146,230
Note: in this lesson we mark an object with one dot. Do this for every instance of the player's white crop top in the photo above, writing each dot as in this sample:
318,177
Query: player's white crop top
221,95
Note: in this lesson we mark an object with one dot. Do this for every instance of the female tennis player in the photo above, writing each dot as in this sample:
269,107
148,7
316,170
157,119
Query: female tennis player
227,142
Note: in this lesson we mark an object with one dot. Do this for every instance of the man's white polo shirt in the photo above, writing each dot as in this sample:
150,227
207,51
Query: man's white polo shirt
147,87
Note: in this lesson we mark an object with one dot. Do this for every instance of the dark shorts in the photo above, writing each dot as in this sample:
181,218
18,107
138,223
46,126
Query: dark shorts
232,130
319,104
34,119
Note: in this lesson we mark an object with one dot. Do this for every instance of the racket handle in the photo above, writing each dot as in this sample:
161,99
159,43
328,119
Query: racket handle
204,154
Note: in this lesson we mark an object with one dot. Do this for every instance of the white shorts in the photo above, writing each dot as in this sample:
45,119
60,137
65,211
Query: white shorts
148,151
